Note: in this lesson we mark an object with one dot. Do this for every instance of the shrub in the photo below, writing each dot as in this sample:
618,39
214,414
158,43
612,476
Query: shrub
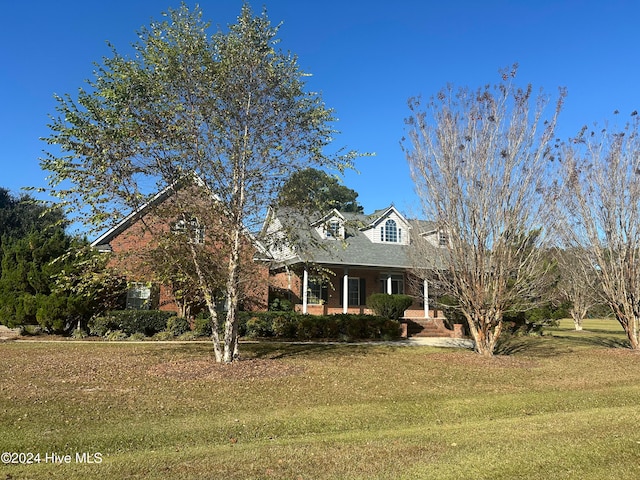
147,322
188,336
115,335
285,325
79,334
389,306
164,336
343,327
259,326
279,304
202,326
178,325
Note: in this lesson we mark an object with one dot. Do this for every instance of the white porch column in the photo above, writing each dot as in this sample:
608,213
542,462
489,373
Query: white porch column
425,288
305,288
345,291
389,285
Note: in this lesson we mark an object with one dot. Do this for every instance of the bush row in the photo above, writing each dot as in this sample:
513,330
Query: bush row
341,327
146,322
121,324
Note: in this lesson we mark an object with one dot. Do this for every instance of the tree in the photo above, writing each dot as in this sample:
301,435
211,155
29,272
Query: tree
578,284
229,108
478,161
314,190
599,204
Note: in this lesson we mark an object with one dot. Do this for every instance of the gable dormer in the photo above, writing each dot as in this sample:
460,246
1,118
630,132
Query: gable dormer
437,237
388,227
331,226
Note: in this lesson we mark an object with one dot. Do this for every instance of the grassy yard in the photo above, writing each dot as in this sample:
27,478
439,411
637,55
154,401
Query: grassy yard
563,406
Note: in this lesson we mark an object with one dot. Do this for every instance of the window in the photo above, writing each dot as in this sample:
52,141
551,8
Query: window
333,229
443,238
354,291
139,296
316,291
192,227
390,231
397,284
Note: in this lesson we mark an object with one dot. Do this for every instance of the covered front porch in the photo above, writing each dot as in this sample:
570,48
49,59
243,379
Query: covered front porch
340,289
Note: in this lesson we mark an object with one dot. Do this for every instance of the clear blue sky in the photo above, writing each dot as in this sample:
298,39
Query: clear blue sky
367,58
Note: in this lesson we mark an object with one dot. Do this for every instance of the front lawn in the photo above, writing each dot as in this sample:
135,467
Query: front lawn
557,407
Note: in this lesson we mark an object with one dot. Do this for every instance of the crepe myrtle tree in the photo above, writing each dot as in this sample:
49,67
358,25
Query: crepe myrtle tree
578,283
230,108
478,159
598,201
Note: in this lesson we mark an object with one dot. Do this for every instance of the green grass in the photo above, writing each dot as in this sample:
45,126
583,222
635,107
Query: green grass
560,406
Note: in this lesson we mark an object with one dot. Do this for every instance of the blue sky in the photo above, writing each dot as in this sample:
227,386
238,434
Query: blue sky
366,57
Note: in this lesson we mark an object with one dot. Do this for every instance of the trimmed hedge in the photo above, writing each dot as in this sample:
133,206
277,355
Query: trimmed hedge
341,327
147,322
389,306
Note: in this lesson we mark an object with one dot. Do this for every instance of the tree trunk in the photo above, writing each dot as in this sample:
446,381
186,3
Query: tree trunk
211,305
578,314
485,329
231,324
631,326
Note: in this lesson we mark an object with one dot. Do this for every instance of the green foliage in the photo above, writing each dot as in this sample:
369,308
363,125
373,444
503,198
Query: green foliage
229,107
115,335
202,326
315,190
41,268
164,336
291,325
148,322
79,334
389,306
178,325
280,304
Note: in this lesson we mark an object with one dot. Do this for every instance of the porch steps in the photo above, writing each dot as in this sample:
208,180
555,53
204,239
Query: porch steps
427,327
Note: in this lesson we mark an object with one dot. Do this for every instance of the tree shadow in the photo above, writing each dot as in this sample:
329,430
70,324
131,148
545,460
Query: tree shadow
279,350
557,344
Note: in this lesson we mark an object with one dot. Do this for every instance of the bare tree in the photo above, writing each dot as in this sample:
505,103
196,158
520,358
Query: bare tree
578,284
599,201
478,161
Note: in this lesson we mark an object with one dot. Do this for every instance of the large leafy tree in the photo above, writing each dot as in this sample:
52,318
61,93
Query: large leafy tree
230,108
315,190
478,160
34,252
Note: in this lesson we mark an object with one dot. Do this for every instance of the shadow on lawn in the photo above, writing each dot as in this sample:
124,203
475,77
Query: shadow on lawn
273,350
557,344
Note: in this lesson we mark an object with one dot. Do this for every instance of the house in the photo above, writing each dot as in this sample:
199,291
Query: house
144,248
334,262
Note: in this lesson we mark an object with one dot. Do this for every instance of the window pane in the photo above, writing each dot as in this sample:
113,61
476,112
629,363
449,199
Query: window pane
138,296
390,231
354,291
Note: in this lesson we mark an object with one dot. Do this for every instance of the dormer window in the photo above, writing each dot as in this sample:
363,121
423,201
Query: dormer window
333,229
190,227
390,232
443,238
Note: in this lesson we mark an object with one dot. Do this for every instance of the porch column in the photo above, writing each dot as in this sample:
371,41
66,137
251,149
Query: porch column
345,291
425,288
305,288
389,285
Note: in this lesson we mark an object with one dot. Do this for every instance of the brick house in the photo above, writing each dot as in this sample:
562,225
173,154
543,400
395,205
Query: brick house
339,259
135,242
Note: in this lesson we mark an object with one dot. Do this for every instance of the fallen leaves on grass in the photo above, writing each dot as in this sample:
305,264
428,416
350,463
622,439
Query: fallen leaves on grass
251,369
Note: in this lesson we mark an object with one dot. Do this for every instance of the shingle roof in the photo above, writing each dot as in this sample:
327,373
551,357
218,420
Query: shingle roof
356,249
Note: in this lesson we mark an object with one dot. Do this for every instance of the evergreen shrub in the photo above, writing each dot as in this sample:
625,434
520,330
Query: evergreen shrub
389,306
